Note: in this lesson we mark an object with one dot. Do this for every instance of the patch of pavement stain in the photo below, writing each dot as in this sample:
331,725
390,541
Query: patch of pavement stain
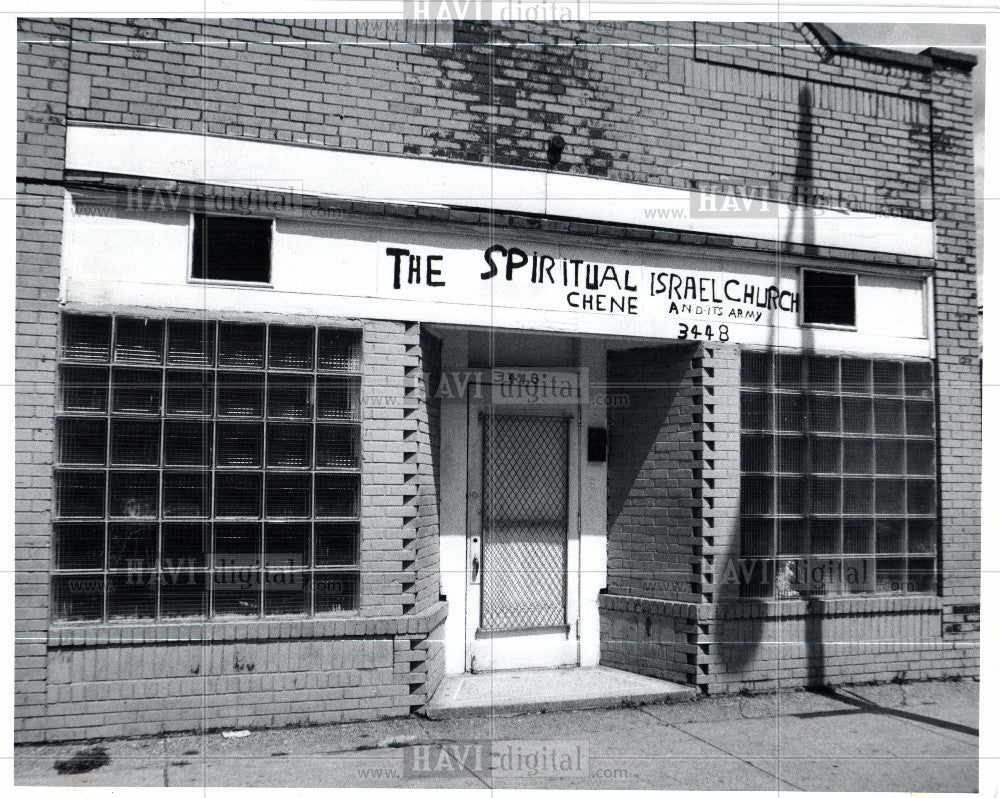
83,761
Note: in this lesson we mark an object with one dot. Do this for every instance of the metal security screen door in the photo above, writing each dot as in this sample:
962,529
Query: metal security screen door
524,522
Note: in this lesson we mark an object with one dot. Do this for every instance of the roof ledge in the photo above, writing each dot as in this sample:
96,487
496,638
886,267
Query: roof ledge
925,60
951,58
885,56
828,38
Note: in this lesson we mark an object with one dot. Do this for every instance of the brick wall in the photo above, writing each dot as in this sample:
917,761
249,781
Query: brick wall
839,128
654,458
41,92
430,462
684,113
149,689
957,343
128,680
39,225
390,491
653,455
648,636
774,645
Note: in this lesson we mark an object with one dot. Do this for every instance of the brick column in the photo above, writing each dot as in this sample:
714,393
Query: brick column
654,512
41,88
957,344
720,480
399,513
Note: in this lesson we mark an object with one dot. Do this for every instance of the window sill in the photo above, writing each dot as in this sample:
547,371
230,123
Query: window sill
230,283
825,325
829,606
348,624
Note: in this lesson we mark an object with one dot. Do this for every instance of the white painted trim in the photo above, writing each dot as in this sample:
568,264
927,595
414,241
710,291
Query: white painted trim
587,566
802,304
593,504
528,648
453,507
141,259
312,171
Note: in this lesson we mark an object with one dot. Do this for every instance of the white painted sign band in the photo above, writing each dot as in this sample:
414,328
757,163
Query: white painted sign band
556,284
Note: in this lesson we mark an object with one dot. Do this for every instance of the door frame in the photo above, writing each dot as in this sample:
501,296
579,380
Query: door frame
530,648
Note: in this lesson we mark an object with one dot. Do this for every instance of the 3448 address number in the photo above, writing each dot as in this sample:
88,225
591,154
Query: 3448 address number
708,332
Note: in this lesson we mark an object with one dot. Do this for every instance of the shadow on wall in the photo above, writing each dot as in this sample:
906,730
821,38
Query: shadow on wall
803,189
804,197
634,430
739,630
737,639
651,526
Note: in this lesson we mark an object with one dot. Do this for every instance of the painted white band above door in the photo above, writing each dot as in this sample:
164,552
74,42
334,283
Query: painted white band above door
569,284
312,171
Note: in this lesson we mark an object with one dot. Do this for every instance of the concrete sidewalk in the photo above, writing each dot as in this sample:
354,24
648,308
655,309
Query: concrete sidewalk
914,737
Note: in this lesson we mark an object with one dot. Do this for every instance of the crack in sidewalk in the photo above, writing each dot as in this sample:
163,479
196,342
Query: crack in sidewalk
432,741
720,749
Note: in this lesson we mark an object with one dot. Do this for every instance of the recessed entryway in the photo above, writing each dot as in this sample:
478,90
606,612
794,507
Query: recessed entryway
522,506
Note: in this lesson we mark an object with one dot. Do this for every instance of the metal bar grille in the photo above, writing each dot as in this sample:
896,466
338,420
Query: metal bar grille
525,503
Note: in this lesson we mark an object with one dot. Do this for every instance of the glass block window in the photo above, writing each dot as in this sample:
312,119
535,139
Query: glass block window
838,476
206,469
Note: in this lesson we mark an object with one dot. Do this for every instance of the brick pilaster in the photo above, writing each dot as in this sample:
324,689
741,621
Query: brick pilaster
41,88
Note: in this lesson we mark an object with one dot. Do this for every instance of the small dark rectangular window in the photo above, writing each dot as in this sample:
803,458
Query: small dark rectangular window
828,298
231,248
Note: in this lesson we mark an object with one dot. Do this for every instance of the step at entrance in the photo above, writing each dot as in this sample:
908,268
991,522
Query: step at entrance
523,692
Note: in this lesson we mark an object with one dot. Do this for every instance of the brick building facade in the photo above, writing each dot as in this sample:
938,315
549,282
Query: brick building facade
276,281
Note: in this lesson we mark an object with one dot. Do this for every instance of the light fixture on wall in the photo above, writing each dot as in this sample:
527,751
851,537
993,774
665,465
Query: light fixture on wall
555,150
